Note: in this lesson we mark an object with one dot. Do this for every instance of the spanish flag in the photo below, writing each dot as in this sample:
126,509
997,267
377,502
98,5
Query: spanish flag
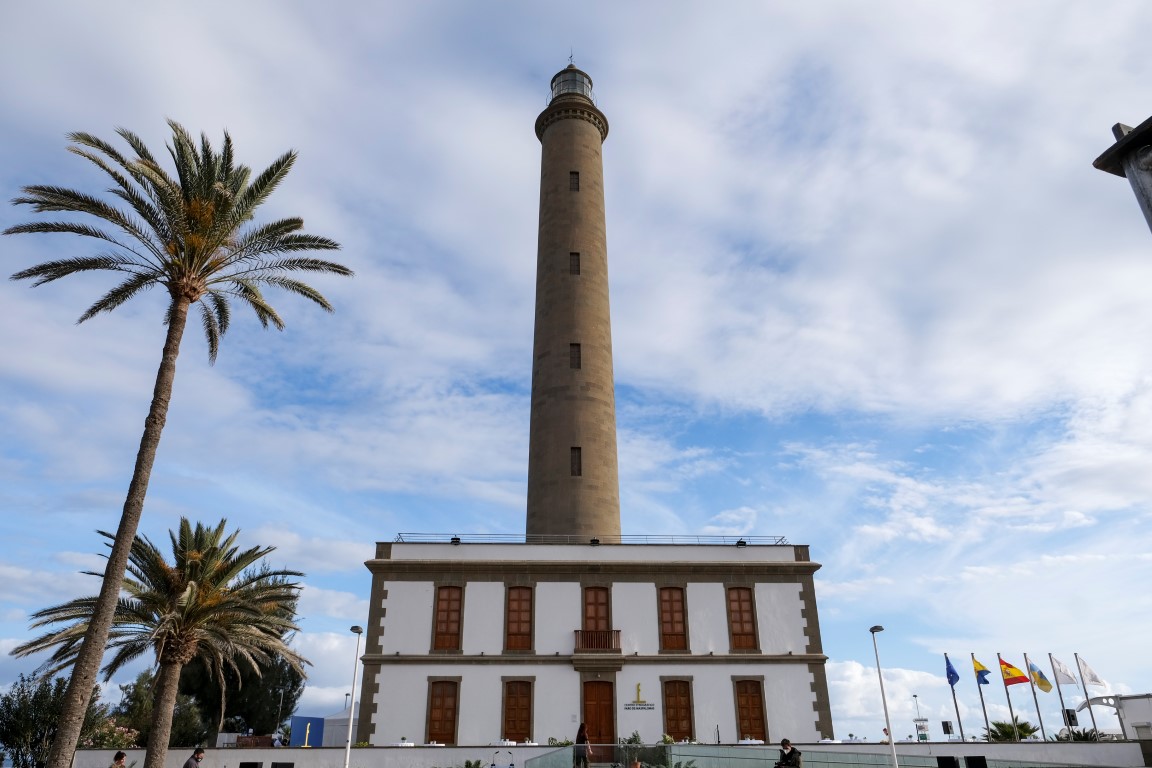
1011,674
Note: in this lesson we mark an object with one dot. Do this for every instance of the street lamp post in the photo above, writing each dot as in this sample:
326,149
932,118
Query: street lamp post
355,666
883,697
279,712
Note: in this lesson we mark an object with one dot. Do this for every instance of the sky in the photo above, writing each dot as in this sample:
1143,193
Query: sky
868,293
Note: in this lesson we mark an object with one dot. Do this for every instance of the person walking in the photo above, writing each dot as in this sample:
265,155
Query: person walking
194,761
582,749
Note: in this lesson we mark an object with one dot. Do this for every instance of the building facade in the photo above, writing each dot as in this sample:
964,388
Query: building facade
521,640
474,643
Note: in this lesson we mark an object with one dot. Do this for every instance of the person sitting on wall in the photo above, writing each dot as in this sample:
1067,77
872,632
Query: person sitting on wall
789,756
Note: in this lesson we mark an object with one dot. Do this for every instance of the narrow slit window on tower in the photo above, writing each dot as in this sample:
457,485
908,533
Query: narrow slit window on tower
574,181
577,467
573,263
574,356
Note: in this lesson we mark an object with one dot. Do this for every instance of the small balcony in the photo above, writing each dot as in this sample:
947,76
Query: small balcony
597,641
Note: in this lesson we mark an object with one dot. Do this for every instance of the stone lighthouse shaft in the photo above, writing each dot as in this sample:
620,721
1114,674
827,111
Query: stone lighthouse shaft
573,482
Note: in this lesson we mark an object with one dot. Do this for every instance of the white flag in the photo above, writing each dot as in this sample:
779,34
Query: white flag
1063,675
1090,677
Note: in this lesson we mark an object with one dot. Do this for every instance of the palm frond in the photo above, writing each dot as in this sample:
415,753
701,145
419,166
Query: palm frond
88,141
247,291
258,250
262,186
300,289
253,238
54,270
211,331
118,295
137,144
271,267
222,309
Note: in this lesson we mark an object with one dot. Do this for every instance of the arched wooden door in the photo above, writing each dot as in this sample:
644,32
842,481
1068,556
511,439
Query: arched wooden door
599,715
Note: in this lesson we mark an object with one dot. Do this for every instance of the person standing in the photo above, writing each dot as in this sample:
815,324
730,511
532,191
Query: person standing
118,760
582,750
789,756
194,761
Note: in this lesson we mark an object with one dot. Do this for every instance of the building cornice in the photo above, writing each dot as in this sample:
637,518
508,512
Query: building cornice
376,659
574,109
479,570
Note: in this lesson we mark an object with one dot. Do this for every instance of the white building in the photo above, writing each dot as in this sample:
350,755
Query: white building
472,643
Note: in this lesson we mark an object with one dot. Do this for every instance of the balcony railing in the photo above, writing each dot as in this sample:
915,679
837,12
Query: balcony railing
597,641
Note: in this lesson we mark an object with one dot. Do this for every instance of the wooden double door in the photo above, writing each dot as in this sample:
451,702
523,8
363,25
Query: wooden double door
600,714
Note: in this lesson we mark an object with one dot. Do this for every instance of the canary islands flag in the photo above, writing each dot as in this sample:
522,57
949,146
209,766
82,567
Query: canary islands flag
981,672
1011,674
1038,678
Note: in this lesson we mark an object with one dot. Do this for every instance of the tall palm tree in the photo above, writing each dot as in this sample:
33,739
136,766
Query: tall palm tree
191,234
209,604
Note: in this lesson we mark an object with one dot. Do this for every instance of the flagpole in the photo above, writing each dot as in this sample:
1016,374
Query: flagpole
1031,682
1087,699
1063,706
1000,663
959,722
980,690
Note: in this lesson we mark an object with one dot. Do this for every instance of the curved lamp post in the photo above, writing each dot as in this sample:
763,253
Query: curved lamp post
883,698
355,666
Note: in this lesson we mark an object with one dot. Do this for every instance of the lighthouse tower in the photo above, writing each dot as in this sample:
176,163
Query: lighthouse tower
573,480
476,638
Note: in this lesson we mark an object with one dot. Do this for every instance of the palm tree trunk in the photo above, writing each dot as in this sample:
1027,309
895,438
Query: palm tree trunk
87,666
163,706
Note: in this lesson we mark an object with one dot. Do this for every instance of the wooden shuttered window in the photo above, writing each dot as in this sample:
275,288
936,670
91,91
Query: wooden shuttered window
449,613
673,626
742,619
518,619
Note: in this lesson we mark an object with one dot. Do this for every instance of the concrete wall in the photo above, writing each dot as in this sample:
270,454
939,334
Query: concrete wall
386,757
1125,754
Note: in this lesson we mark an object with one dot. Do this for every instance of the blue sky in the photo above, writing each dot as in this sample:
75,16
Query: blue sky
868,293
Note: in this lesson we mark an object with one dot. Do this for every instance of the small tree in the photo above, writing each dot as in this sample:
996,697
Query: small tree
30,713
110,733
189,726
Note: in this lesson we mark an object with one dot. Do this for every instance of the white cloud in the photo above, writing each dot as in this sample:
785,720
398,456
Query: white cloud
868,293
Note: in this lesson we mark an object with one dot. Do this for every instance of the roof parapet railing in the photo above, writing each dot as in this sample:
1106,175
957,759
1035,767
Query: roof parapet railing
512,538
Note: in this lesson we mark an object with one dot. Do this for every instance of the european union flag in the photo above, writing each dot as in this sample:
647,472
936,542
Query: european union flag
950,671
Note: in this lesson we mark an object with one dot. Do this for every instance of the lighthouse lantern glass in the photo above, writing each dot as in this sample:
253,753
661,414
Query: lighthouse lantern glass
572,81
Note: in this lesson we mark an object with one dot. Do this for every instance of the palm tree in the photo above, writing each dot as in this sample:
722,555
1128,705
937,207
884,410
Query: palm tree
209,604
191,235
1002,730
